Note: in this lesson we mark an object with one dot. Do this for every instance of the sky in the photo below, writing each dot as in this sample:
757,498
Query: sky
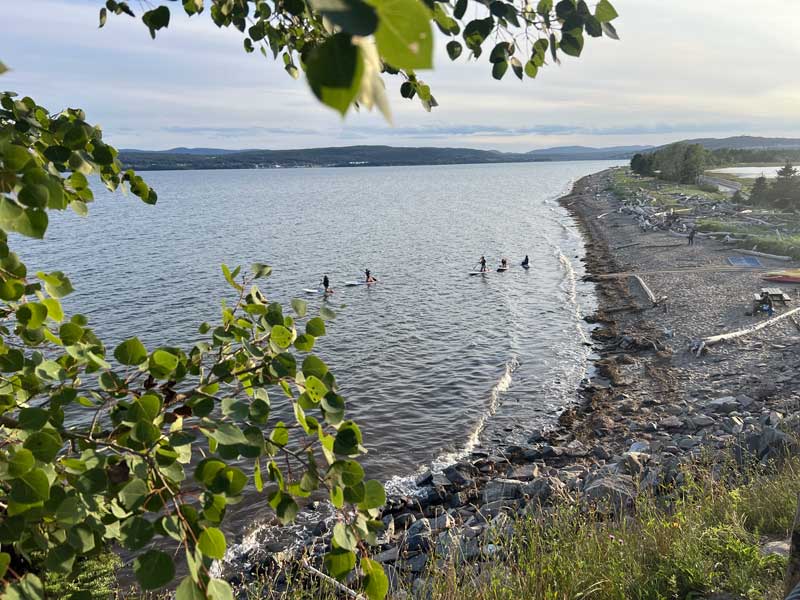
682,69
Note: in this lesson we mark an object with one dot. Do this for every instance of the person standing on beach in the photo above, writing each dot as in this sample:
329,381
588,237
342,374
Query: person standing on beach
692,231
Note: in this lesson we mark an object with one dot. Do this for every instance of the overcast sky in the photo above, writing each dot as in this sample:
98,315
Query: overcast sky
684,68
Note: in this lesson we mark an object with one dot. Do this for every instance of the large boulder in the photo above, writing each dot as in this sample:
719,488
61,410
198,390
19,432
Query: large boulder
544,489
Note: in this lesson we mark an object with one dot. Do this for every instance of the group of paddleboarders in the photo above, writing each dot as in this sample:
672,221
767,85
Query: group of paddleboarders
503,264
326,282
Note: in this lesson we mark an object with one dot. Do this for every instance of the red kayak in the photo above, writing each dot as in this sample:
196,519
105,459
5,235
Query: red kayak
782,278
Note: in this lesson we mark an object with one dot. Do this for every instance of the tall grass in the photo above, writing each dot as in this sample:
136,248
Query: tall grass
706,541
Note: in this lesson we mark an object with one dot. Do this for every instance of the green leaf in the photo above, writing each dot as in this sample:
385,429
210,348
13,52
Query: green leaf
212,543
343,537
5,557
156,19
499,69
56,283
32,315
189,590
339,563
316,327
219,590
3,69
279,435
353,16
374,495
31,487
16,157
334,72
54,310
327,313
571,42
300,307
477,31
304,342
376,584
605,12
314,366
227,434
131,352
281,336
315,388
30,587
162,364
261,270
404,36
460,9
348,439
517,67
136,532
349,471
20,462
153,569
44,445
33,418
453,49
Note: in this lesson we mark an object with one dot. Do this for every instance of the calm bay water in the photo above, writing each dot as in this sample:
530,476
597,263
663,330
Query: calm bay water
431,360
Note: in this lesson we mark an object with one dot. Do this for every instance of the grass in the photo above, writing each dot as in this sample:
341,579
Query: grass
626,184
704,542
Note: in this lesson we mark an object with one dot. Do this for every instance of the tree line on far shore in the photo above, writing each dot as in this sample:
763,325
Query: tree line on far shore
684,163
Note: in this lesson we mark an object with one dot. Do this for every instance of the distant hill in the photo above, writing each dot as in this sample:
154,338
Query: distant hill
588,153
746,142
347,156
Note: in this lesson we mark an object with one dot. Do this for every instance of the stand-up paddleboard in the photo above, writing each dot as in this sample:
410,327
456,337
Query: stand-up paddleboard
479,272
318,291
502,269
353,283
526,267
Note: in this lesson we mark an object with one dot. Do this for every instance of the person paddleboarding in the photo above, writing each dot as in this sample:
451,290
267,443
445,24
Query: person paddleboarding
368,278
525,262
483,264
326,284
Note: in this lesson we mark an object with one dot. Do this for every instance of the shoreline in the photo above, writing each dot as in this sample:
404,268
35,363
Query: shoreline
650,408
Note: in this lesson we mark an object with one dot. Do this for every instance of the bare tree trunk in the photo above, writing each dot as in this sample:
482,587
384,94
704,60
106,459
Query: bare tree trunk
793,568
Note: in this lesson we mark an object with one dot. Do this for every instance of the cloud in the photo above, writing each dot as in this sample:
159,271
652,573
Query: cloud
683,69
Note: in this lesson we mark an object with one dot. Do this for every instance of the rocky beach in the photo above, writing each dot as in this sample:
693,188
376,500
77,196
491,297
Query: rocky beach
653,407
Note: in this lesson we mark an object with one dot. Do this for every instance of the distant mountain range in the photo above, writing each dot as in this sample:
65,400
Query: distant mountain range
349,156
374,156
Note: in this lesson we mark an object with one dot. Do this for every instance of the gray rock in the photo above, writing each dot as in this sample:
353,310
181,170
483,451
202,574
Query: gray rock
633,463
441,522
390,555
615,492
672,422
544,489
779,547
502,489
524,473
688,442
703,421
457,478
404,520
642,446
415,564
771,419
744,400
419,535
726,404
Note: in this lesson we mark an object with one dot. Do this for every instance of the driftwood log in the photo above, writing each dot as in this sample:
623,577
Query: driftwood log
715,339
764,254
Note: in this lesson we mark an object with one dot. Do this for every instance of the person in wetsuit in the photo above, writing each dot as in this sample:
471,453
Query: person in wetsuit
503,263
326,283
525,262
483,264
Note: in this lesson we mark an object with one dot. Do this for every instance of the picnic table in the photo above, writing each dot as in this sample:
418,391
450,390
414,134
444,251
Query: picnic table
776,294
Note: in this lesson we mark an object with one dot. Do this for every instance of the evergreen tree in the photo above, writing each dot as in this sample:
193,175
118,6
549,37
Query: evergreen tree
760,194
785,191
